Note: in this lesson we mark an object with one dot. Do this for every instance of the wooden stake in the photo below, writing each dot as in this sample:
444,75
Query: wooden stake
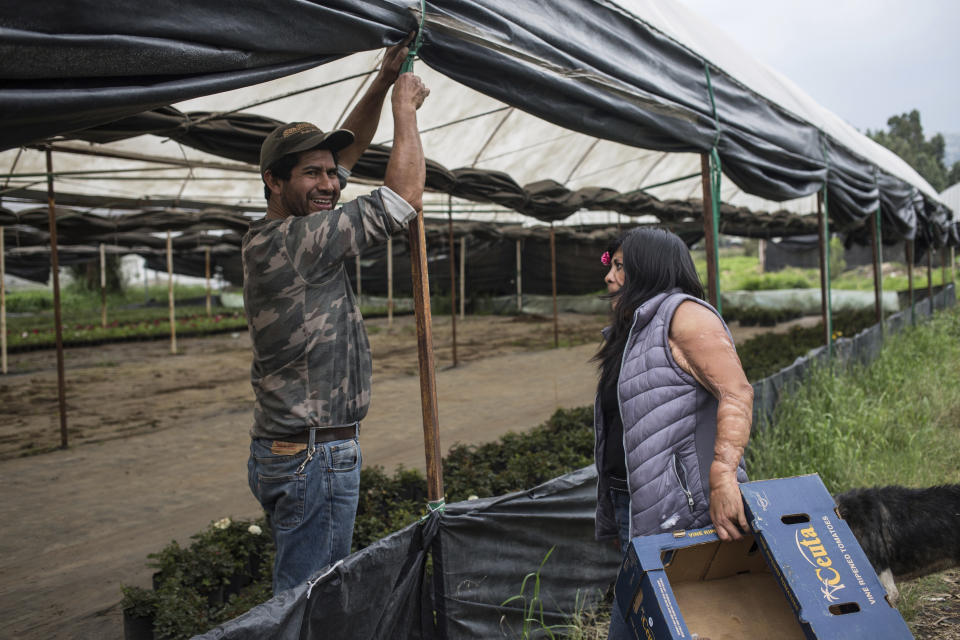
453,282
908,253
428,381
553,284
823,244
57,318
519,276
3,305
877,270
708,239
170,302
206,271
390,281
943,266
103,286
463,278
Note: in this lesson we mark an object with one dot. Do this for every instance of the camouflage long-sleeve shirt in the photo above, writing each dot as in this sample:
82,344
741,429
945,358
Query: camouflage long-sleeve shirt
311,356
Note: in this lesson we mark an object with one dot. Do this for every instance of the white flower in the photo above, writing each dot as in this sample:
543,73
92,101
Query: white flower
222,523
254,529
24,334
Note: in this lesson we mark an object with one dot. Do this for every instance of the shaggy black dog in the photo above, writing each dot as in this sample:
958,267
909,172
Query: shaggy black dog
906,533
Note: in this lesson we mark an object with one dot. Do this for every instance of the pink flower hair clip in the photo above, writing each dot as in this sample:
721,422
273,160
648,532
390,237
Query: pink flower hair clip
605,258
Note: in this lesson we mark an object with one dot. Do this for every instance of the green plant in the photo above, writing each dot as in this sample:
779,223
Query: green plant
533,617
138,602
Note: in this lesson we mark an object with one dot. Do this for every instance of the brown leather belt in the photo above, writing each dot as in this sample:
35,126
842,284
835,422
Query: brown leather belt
324,435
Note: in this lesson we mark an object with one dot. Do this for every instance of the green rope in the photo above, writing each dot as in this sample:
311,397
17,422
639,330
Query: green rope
415,49
716,176
434,506
826,247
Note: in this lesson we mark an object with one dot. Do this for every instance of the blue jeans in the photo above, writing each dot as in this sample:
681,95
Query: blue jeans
311,504
621,512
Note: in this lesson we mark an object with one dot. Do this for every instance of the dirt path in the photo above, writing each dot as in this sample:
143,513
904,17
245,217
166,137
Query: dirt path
159,447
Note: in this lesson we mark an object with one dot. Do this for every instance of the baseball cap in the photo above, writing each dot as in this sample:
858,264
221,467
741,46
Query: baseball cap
300,136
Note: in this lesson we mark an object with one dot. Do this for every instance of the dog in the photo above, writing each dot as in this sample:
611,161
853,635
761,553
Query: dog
905,533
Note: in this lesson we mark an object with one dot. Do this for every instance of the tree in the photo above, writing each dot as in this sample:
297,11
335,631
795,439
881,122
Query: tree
905,138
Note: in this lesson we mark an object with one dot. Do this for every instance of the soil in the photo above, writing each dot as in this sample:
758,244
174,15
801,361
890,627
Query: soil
158,445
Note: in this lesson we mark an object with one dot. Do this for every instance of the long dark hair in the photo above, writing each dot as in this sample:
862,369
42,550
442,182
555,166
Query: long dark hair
654,260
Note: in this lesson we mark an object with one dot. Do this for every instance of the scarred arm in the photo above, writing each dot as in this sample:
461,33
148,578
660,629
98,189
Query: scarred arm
702,348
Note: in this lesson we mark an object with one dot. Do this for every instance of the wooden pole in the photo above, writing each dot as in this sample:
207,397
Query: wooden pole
943,266
428,380
57,318
708,239
206,271
170,302
823,243
908,252
553,285
877,270
3,305
390,281
519,276
930,277
463,278
453,283
103,286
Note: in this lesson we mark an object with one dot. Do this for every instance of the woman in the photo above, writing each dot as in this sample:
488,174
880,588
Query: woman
674,408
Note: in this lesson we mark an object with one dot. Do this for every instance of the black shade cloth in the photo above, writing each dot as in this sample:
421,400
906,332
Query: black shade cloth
589,66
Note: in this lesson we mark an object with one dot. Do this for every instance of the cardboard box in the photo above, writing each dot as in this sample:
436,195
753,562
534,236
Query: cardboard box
800,574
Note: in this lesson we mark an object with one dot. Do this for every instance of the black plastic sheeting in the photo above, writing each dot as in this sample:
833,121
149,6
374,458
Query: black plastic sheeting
585,65
480,550
465,562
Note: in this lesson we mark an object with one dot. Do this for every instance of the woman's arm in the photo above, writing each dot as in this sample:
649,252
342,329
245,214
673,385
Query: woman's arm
702,348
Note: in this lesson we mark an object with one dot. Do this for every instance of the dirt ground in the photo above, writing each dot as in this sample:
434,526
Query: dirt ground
158,446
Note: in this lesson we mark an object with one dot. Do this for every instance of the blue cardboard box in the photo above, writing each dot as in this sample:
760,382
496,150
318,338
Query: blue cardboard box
799,574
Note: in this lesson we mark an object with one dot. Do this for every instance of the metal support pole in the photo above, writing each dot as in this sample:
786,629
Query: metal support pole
453,282
908,253
824,243
170,301
3,305
709,242
57,318
553,285
206,270
519,276
930,277
463,277
390,281
103,286
428,381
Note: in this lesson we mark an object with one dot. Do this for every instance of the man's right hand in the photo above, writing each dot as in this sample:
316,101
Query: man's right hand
408,91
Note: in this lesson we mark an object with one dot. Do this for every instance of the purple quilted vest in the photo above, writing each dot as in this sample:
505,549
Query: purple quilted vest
669,428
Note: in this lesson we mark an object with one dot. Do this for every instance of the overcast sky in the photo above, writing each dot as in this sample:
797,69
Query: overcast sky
864,60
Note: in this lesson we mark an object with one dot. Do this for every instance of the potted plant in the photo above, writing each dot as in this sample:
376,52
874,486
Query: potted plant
139,610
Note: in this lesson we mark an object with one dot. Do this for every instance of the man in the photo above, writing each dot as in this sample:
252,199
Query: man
311,357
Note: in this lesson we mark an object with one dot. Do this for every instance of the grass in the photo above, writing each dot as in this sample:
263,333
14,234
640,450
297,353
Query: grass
896,421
